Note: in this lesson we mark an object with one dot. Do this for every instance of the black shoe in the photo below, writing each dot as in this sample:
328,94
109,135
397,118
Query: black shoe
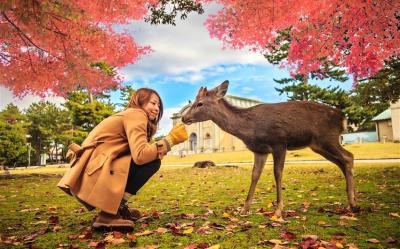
128,213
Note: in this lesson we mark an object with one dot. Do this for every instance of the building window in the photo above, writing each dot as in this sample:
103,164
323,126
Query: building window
207,136
193,142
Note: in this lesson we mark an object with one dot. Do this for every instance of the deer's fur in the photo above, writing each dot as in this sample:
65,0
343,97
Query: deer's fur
276,128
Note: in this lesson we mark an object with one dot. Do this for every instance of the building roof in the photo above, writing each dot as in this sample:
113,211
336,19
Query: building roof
237,101
241,101
383,115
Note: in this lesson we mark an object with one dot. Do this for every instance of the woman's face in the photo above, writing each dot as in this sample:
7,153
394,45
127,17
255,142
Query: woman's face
152,108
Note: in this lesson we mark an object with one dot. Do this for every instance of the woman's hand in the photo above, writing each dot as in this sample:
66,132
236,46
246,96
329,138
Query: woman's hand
177,135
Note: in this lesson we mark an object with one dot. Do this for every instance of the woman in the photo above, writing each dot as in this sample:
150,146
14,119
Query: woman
118,158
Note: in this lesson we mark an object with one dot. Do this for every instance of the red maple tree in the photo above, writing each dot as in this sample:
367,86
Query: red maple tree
50,47
355,34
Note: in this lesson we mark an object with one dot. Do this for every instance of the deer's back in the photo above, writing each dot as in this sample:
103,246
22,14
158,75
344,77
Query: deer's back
295,123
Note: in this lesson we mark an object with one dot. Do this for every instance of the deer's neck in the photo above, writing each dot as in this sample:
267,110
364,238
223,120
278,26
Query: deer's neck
231,119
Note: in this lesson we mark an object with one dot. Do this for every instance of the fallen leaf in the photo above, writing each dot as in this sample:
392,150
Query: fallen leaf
117,234
275,241
339,245
234,219
217,226
226,215
268,214
279,247
149,247
188,231
53,220
291,213
352,246
161,230
309,242
146,232
204,230
86,234
98,244
39,222
374,241
394,215
73,236
57,228
344,217
118,241
156,215
311,236
191,246
287,236
214,247
277,219
390,240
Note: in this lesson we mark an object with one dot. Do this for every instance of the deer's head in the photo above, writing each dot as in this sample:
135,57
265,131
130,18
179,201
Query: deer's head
205,104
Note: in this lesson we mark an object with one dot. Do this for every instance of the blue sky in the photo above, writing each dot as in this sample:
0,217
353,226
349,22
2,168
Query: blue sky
184,58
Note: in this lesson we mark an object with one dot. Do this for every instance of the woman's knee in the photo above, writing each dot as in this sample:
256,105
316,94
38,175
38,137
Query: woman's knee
156,164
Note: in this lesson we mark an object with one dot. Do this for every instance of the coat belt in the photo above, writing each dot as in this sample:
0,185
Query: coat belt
75,150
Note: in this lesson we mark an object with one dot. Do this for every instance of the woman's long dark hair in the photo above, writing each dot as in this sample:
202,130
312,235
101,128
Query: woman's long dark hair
139,99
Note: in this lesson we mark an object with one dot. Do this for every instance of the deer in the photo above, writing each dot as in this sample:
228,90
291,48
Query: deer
275,128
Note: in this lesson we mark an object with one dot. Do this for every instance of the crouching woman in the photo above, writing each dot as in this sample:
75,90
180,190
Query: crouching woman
118,158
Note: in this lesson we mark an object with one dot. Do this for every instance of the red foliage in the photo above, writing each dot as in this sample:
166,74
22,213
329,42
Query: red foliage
48,46
357,35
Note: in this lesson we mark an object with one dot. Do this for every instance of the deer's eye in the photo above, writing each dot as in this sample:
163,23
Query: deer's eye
199,104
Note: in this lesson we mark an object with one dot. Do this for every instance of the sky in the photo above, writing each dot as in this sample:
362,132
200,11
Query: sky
184,58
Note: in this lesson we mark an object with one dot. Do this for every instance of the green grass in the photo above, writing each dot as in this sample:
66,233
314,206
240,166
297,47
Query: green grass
314,192
360,151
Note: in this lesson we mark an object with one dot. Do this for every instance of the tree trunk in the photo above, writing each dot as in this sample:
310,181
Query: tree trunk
305,95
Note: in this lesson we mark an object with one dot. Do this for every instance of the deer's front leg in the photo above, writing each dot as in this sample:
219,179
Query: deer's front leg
279,154
259,162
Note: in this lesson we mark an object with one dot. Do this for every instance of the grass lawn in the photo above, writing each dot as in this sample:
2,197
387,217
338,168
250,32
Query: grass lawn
198,208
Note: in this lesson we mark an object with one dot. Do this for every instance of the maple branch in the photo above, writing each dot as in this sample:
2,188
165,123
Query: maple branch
21,32
5,57
29,54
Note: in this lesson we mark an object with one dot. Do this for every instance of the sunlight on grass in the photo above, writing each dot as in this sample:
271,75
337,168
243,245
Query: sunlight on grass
185,205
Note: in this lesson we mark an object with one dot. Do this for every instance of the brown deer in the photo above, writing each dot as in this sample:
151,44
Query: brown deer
276,128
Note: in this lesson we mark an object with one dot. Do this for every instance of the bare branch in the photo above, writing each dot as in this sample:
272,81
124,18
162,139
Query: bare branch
21,32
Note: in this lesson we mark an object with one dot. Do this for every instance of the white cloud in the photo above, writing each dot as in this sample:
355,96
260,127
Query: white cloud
247,89
6,97
186,47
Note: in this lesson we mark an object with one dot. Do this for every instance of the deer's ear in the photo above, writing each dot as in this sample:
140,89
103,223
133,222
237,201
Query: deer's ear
202,92
222,89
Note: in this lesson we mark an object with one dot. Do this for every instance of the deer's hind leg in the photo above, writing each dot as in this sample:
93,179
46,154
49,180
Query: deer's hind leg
259,162
279,154
335,153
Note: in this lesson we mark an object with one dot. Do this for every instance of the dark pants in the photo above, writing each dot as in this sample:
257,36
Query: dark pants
140,174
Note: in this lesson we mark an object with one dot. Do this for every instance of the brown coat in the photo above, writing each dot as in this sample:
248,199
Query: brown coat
99,171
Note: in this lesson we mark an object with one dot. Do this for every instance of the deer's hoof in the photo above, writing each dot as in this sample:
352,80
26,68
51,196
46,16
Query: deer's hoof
244,211
355,209
278,213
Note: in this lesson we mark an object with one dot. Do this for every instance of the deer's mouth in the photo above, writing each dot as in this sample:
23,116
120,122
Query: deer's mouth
187,121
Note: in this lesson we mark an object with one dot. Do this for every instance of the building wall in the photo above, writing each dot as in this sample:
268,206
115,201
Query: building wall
360,137
395,113
385,132
210,138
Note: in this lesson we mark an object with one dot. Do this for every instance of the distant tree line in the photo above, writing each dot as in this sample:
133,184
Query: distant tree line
47,128
365,100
